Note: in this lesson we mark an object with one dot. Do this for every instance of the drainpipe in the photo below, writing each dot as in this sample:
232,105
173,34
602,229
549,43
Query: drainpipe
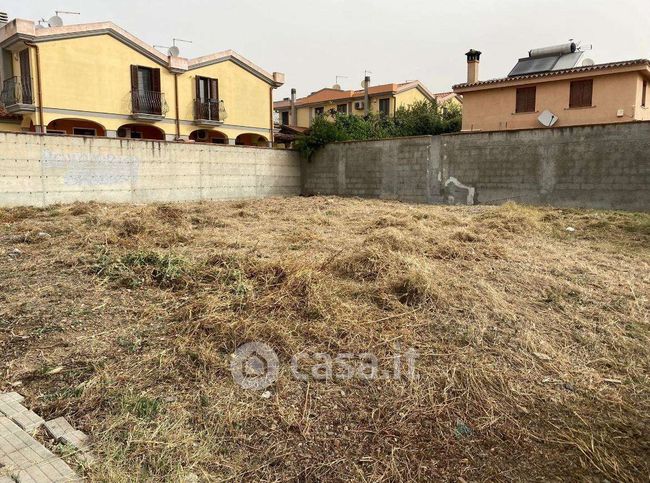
178,119
39,86
271,116
293,121
366,96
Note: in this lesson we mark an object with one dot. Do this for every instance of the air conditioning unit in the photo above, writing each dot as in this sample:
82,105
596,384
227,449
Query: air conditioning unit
359,105
202,135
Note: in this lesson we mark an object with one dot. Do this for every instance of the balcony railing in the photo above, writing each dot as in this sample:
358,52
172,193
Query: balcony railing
207,110
17,91
148,103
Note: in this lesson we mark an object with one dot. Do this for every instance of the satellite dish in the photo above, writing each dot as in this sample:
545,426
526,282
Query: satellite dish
547,118
55,21
173,51
588,62
337,87
363,84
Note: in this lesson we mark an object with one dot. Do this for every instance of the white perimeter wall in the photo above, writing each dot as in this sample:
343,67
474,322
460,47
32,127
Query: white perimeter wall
41,170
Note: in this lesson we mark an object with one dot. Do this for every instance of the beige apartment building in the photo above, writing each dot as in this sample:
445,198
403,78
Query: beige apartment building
383,99
555,87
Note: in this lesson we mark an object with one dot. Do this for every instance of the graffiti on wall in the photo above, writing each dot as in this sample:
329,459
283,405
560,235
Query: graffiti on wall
86,169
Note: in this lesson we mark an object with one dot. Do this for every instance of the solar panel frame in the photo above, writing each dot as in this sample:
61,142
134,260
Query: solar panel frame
534,65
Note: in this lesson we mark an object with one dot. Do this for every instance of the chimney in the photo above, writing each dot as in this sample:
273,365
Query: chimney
292,120
4,19
366,96
473,60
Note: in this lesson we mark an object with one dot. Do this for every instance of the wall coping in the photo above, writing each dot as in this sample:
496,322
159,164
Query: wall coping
160,141
559,128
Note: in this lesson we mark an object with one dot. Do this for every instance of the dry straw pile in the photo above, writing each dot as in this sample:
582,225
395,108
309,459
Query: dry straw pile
533,340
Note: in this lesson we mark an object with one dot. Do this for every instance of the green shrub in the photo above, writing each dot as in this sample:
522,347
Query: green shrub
419,119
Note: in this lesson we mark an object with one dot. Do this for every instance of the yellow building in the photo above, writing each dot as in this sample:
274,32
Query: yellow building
555,87
383,99
98,80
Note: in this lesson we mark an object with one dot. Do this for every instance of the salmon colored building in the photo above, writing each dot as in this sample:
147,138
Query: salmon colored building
549,89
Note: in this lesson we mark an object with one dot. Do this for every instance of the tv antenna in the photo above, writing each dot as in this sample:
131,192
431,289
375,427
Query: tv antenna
56,20
337,86
173,51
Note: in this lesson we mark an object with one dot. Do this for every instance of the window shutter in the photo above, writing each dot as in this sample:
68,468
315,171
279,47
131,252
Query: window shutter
155,80
197,86
526,99
587,92
26,77
134,77
214,89
581,94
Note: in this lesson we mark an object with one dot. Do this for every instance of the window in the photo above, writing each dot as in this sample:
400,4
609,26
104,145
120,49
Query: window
319,111
384,107
342,108
285,118
526,99
83,131
145,90
644,94
581,93
25,77
207,99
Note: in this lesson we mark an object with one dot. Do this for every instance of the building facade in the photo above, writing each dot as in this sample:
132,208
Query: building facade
99,80
383,99
542,96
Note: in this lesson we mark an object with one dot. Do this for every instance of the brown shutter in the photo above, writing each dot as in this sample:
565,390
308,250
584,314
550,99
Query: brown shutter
135,99
644,94
155,80
587,93
214,97
197,86
521,105
581,94
134,77
526,99
155,86
214,89
25,77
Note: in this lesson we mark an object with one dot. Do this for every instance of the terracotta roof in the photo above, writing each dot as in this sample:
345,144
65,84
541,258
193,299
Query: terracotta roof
329,94
445,96
574,70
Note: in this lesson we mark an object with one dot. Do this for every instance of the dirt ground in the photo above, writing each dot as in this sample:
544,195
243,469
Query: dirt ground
530,326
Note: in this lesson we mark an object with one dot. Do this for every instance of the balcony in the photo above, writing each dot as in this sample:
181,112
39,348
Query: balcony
209,112
148,105
17,96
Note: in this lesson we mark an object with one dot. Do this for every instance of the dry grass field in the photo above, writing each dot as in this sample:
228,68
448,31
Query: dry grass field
533,340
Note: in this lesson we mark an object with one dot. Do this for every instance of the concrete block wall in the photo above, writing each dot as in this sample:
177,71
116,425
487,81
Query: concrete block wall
603,166
401,169
600,166
42,170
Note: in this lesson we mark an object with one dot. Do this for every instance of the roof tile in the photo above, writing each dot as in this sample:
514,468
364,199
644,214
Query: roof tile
588,68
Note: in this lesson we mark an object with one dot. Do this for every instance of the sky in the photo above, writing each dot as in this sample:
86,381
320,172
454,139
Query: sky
314,41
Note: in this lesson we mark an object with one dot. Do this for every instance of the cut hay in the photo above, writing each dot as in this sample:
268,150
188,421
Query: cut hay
533,340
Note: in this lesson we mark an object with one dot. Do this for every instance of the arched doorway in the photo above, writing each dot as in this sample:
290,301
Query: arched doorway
141,131
208,136
249,139
75,127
